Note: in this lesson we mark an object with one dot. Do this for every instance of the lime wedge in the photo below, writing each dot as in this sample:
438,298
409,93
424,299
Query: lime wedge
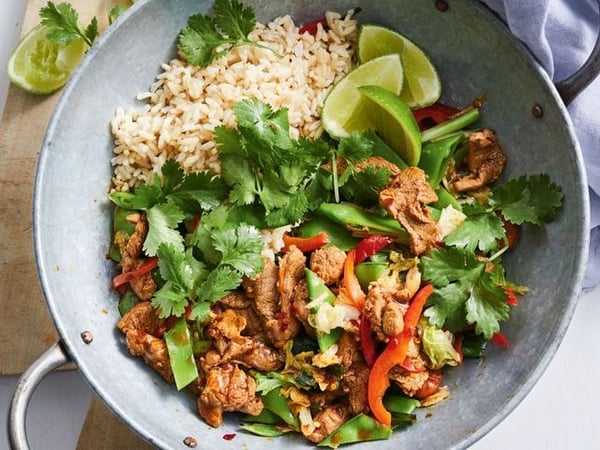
394,122
422,85
344,109
41,66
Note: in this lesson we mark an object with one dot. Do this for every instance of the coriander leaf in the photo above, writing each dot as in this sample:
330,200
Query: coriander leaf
172,176
199,189
62,22
163,220
218,284
170,300
240,248
181,269
199,40
356,147
144,197
261,125
291,212
201,312
363,187
234,20
448,306
486,306
239,174
201,237
115,12
465,292
532,199
480,230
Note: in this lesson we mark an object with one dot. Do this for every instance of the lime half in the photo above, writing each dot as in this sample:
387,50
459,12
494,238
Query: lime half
344,109
41,66
422,86
394,122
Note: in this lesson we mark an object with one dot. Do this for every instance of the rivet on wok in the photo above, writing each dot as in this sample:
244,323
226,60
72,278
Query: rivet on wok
87,337
190,442
537,111
441,5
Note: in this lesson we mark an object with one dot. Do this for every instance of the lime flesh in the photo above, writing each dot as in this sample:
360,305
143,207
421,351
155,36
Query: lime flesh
392,119
40,66
345,109
422,85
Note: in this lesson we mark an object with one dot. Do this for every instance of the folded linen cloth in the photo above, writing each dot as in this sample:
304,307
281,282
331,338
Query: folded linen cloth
562,34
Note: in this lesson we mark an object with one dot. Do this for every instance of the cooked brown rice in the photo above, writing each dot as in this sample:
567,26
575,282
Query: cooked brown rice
186,103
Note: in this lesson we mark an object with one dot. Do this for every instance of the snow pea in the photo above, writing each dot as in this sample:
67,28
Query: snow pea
380,148
277,404
445,198
120,225
369,271
266,417
338,234
435,157
317,290
263,429
361,221
456,123
128,300
396,403
360,428
473,346
181,355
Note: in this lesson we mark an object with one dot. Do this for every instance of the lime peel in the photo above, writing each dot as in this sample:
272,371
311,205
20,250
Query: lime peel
41,66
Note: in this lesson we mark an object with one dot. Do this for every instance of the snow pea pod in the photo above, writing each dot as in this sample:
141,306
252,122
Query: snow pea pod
263,429
456,123
181,355
277,404
369,271
396,403
265,417
127,301
339,235
361,221
435,157
318,291
360,428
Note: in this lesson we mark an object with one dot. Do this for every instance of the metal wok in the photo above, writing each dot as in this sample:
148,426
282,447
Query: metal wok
475,55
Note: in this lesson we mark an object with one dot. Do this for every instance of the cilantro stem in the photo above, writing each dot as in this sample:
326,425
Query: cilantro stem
499,252
334,175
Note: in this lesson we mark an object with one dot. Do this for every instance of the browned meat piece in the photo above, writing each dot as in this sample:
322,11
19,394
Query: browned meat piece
385,314
328,420
356,376
152,349
228,388
243,306
262,289
229,346
405,198
485,159
300,308
141,317
355,383
131,258
328,263
273,293
236,300
409,382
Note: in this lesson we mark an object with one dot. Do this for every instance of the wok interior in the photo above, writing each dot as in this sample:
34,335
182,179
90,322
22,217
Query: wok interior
72,215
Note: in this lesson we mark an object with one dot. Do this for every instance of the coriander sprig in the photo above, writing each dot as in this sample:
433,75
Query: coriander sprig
208,38
62,22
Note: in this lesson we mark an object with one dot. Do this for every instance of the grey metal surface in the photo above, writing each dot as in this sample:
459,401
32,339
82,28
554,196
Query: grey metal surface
475,56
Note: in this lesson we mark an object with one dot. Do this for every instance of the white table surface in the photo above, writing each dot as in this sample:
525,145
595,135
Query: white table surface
561,412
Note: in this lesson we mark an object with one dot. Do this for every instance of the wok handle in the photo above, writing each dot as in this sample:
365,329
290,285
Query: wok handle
52,359
572,86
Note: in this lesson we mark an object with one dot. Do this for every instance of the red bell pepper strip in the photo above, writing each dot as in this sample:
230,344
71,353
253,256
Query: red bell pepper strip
371,245
147,266
307,244
499,339
312,27
393,355
367,343
350,288
434,114
511,298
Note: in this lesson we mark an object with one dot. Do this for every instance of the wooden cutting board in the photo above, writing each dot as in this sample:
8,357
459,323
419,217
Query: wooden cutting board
27,329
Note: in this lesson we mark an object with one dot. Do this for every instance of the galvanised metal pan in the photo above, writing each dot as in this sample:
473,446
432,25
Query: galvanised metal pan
475,55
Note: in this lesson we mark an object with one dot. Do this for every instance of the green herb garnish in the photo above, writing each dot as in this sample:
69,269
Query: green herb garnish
207,38
62,21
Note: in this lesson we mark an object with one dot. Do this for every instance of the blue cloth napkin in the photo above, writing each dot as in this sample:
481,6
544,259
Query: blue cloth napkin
561,34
